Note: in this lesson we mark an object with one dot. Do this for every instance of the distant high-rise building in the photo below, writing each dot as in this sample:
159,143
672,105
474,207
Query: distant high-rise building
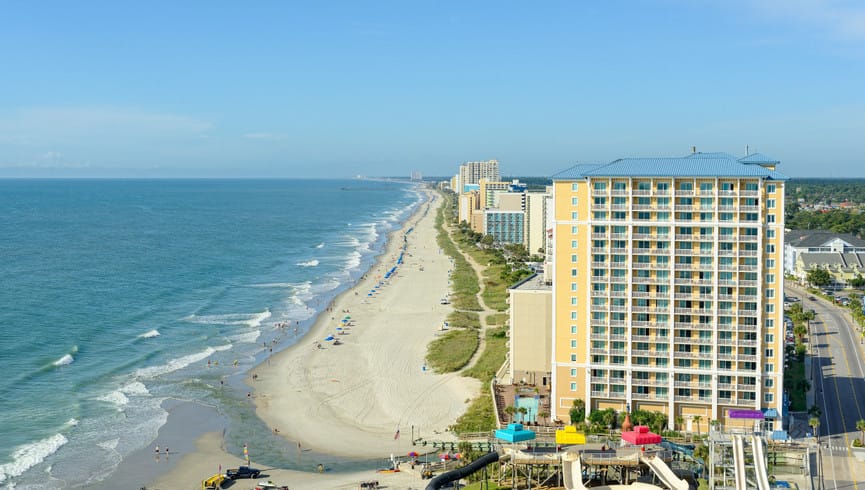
668,287
416,175
473,172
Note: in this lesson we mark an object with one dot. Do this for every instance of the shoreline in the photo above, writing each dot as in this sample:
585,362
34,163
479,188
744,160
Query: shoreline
336,425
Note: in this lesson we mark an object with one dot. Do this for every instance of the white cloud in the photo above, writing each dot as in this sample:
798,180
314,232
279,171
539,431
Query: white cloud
841,19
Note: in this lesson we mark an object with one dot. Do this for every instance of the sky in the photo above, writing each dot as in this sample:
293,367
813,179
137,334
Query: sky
343,88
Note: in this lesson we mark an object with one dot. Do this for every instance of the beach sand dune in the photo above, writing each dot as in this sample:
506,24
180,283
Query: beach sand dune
350,399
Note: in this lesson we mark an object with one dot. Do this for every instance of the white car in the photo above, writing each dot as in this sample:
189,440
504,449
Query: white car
445,301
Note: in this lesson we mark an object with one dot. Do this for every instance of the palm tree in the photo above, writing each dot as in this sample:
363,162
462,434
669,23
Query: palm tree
679,422
544,414
523,411
860,426
814,422
511,410
697,419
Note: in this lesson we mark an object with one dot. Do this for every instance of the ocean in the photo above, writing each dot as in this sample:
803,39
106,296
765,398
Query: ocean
116,295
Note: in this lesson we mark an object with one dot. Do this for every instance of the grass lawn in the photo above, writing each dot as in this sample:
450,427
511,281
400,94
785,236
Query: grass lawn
498,319
792,376
464,319
452,351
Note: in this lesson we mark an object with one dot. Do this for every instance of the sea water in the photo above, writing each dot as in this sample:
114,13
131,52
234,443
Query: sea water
116,295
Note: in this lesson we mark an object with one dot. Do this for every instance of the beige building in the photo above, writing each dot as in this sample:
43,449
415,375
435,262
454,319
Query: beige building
473,172
468,204
668,286
511,201
488,191
530,331
536,222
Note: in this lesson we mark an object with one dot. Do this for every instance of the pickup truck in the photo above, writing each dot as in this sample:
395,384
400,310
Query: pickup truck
242,472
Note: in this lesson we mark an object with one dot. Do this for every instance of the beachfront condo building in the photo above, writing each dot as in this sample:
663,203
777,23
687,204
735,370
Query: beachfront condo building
505,226
473,172
536,222
668,287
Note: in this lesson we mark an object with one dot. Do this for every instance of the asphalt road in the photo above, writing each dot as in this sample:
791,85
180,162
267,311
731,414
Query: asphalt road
839,387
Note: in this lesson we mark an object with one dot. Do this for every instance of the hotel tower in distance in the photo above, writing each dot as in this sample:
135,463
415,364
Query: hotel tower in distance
668,287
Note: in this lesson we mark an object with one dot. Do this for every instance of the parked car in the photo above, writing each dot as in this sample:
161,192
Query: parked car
242,472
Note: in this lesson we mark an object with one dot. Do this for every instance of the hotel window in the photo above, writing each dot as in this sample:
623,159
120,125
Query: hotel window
573,201
573,315
573,386
573,272
770,233
574,258
600,186
573,344
643,216
573,286
705,186
600,215
770,218
770,368
726,186
770,323
574,300
573,372
770,308
573,230
770,188
770,278
573,329
573,358
620,186
770,353
575,215
573,244
770,248
725,216
662,216
770,293
770,203
663,186
620,215
574,186
769,397
686,186
770,338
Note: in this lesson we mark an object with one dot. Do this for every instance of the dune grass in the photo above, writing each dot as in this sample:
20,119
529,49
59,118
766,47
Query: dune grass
499,319
453,350
464,282
464,319
479,416
492,357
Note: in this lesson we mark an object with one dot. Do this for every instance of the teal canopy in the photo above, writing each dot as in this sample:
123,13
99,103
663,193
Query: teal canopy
515,433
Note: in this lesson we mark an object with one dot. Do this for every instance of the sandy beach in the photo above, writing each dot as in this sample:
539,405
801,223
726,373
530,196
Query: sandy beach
368,395
351,399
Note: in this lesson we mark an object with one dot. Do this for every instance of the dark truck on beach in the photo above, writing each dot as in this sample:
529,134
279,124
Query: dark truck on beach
242,472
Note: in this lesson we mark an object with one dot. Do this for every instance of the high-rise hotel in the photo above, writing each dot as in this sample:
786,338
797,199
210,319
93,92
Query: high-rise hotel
668,287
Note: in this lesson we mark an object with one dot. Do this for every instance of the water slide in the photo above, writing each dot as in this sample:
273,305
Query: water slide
463,472
739,463
572,471
665,473
760,463
684,450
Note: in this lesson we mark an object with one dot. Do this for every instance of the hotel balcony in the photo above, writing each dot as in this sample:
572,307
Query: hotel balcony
704,253
599,250
685,355
704,238
684,193
600,379
599,236
599,294
619,207
617,394
748,253
748,238
748,209
749,343
722,253
747,357
598,336
599,193
727,267
746,387
599,394
619,192
618,294
748,312
748,268
685,208
726,342
744,193
641,192
726,386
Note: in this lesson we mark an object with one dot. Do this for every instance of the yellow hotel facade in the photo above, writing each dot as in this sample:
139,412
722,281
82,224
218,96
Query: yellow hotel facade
668,287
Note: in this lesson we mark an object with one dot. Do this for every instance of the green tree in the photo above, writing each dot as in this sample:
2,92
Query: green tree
680,421
697,419
487,240
857,282
818,277
860,426
511,410
814,423
578,412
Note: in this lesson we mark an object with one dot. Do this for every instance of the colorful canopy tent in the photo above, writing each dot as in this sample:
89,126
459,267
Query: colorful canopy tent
515,433
641,436
569,436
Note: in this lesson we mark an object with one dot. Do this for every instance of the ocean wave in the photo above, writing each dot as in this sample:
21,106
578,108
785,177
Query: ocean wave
353,260
29,455
246,337
320,245
248,319
179,363
309,263
116,398
109,445
135,388
150,334
64,361
70,423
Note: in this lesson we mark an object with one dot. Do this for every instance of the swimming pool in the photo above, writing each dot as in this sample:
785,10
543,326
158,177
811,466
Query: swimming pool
530,403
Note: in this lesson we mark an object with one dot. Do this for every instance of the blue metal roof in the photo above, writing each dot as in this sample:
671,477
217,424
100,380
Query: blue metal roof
693,165
758,159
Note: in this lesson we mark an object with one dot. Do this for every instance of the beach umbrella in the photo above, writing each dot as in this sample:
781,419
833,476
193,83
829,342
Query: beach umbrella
413,454
368,294
329,338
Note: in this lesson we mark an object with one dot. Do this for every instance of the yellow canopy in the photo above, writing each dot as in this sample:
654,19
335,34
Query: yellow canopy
569,436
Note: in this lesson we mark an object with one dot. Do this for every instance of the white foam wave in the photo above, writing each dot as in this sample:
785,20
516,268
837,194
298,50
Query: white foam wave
353,260
115,397
150,334
64,361
29,455
320,245
274,285
135,388
70,423
110,444
248,319
179,363
309,263
246,338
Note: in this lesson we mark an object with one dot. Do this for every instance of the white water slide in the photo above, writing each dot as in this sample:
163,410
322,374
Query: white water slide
665,473
572,472
760,463
739,463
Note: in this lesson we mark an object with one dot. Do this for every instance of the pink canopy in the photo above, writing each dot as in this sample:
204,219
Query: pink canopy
641,436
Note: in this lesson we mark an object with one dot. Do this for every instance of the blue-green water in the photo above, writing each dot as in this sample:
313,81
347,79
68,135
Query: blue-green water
118,294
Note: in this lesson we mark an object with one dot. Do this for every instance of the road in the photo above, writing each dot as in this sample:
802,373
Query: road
839,387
